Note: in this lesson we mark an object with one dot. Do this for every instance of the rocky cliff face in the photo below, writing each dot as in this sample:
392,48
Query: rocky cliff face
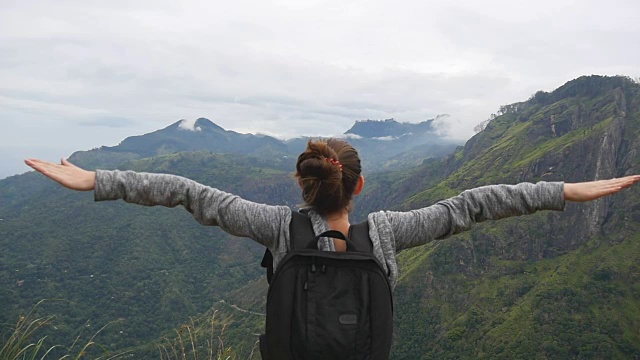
589,136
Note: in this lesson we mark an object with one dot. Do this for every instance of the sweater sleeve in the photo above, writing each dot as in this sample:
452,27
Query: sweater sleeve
459,213
209,206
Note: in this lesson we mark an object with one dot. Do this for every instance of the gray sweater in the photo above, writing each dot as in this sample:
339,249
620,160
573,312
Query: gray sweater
390,231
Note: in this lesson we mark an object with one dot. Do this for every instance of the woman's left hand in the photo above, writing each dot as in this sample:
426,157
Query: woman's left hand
65,173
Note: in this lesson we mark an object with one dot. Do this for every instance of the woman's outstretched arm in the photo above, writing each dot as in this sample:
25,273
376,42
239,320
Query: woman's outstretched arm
265,224
460,213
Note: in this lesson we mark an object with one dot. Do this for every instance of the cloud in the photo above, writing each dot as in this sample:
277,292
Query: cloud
189,125
385,138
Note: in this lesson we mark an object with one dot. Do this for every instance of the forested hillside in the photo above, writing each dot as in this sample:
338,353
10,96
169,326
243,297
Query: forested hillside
149,268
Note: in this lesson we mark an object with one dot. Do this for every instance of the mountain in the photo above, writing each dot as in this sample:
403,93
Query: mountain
182,136
554,285
378,141
385,145
202,135
389,128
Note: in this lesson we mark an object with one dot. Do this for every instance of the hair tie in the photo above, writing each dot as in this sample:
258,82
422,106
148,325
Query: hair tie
335,162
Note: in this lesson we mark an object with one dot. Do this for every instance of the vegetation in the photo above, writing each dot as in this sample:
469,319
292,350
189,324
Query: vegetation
202,338
21,344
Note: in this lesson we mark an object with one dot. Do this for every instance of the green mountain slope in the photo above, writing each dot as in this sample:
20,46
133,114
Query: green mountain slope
553,285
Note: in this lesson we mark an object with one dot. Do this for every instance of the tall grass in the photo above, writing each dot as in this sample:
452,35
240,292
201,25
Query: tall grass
201,339
21,344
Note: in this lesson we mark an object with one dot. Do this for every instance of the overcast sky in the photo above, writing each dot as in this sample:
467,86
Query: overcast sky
75,75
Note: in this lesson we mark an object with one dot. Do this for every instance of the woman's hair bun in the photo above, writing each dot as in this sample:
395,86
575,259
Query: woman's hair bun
327,181
316,162
319,168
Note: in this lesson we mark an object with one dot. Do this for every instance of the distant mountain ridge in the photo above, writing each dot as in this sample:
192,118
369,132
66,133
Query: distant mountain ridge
394,144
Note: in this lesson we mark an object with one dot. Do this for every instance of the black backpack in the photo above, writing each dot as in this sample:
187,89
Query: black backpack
327,305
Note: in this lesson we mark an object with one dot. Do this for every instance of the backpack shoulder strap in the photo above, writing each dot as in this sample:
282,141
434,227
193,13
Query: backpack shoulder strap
267,263
359,234
300,231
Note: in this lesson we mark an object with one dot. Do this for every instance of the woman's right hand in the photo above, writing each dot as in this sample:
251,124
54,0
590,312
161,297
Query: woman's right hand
591,190
65,173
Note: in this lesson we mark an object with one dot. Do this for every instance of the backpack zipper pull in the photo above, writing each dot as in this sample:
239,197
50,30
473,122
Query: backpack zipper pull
306,286
324,268
313,265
